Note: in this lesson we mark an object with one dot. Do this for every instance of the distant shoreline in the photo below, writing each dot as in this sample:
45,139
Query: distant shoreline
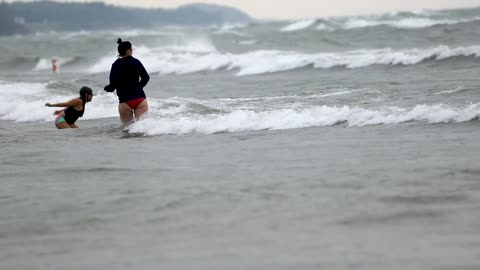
31,17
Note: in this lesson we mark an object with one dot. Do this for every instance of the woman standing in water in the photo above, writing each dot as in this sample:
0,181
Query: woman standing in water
75,108
128,77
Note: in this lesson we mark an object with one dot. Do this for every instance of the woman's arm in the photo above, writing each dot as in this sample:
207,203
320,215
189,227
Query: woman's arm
143,74
111,87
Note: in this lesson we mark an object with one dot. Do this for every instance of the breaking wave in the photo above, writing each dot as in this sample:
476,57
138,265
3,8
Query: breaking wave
263,61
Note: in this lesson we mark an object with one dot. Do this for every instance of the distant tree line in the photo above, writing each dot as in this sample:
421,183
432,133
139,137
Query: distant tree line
23,17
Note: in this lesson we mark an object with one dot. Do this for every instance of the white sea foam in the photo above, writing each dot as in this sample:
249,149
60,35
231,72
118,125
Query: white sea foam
198,44
187,115
231,29
27,97
156,58
141,32
168,63
324,27
104,64
73,35
247,42
247,120
424,12
299,25
451,91
402,23
228,26
261,62
46,64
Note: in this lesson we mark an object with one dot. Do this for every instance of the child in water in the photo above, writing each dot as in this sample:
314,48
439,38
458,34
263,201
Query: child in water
54,65
75,108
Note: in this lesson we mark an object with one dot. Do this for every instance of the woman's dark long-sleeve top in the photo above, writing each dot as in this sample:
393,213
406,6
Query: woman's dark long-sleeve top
124,76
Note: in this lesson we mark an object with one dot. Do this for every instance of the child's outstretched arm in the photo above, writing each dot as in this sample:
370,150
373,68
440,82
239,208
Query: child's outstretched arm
71,103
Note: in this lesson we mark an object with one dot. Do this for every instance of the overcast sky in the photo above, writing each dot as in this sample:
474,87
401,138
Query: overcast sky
289,9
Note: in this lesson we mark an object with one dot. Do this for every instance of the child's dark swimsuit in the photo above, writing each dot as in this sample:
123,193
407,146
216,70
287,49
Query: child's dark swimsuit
71,115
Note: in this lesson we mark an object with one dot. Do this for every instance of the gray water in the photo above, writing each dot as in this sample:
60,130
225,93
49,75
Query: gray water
401,197
349,143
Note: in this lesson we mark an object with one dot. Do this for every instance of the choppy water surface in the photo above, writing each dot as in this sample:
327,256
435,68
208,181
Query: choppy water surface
340,143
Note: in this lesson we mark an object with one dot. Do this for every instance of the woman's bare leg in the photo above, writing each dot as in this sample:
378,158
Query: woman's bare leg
141,109
126,114
73,126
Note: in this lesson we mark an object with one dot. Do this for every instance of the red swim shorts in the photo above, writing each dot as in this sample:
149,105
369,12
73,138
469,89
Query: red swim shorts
133,104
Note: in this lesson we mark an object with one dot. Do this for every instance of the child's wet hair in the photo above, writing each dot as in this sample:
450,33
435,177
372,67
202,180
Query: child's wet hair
84,91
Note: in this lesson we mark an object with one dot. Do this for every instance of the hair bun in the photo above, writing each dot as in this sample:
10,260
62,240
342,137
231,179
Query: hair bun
119,41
